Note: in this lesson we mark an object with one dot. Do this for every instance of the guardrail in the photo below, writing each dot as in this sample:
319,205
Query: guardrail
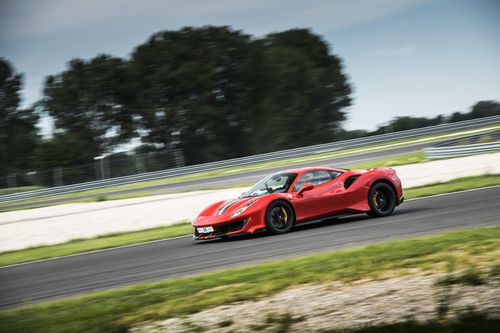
451,149
266,157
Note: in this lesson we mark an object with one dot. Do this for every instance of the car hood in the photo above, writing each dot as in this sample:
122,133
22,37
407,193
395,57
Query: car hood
229,206
226,208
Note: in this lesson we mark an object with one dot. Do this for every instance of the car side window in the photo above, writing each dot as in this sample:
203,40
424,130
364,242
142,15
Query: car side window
334,174
315,177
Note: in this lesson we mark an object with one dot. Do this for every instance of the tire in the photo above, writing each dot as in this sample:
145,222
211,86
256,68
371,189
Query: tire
382,200
280,217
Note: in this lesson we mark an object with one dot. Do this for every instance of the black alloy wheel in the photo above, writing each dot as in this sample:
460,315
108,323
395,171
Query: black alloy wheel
279,217
382,200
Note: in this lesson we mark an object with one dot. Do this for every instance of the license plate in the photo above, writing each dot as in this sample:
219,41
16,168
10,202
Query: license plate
205,230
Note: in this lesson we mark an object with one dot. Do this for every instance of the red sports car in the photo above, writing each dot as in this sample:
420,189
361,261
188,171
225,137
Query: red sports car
279,201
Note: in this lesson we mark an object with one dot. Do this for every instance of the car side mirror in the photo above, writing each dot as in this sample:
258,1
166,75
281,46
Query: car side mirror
306,187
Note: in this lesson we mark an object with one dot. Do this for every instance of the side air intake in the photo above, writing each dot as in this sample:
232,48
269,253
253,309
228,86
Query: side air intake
348,182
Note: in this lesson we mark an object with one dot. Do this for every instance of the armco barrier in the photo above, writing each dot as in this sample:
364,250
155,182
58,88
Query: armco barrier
289,153
462,150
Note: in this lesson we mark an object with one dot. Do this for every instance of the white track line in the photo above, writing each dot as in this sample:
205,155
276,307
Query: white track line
95,251
178,237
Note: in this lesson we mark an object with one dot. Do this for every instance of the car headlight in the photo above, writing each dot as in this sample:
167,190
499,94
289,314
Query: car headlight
243,208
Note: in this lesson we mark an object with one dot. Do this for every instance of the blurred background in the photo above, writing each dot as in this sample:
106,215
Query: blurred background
98,89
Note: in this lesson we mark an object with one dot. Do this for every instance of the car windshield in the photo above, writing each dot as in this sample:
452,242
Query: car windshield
277,183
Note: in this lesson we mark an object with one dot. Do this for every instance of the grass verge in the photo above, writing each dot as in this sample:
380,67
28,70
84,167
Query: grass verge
458,184
101,242
409,158
119,309
244,168
131,237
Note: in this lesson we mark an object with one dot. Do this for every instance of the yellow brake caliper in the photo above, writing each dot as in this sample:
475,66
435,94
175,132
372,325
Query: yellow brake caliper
375,202
285,215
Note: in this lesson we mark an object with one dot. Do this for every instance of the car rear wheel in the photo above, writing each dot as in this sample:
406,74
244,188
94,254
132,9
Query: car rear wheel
279,217
382,200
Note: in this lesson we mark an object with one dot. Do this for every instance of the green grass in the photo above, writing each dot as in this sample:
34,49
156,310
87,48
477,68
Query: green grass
495,271
119,239
239,169
119,309
101,242
225,323
458,184
277,323
410,158
471,276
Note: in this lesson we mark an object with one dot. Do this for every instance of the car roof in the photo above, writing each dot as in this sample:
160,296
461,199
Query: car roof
302,170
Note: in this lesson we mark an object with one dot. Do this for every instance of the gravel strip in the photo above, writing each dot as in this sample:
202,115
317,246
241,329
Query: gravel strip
312,308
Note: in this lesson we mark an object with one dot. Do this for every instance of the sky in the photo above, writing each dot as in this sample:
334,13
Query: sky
403,57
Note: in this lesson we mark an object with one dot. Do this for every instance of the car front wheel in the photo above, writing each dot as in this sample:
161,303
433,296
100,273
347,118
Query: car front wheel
279,217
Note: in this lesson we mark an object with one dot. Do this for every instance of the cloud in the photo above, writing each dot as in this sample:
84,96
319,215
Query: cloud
40,36
23,19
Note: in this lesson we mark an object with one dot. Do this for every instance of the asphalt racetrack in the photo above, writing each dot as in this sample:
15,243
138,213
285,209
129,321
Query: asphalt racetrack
111,268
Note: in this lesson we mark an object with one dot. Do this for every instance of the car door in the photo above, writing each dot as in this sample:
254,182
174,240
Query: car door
319,201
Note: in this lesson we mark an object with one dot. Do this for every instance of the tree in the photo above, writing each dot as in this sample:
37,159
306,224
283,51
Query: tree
478,110
485,109
193,91
90,106
407,123
18,132
215,93
302,92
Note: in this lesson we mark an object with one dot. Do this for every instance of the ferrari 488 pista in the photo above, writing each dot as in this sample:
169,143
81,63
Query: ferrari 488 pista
284,199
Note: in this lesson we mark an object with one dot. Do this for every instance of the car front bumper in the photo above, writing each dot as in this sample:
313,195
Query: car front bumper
223,229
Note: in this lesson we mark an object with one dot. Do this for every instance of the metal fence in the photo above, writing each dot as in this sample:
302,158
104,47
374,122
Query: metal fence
466,146
103,167
267,157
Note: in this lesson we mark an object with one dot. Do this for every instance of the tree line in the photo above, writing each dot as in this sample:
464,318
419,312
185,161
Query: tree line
192,95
